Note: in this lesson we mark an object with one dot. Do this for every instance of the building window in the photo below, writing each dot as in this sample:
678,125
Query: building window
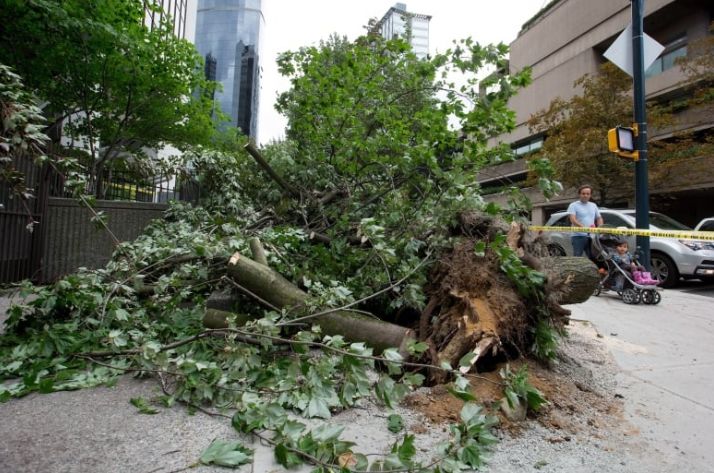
528,147
672,50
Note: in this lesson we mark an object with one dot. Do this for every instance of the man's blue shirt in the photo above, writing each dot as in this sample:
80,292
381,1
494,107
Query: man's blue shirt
585,213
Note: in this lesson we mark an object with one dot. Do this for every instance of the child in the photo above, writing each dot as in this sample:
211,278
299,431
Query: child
625,260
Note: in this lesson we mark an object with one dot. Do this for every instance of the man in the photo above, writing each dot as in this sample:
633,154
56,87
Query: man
583,213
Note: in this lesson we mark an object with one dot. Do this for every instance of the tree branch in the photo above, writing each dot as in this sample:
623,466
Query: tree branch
271,172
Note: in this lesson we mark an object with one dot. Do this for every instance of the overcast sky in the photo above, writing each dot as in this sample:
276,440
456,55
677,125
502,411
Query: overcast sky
290,24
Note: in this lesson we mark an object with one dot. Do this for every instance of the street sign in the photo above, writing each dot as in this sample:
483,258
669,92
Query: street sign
620,52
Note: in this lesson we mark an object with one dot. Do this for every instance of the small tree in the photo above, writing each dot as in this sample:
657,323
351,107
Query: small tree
576,130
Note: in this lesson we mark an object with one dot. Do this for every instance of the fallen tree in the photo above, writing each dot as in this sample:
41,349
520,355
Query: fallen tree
369,240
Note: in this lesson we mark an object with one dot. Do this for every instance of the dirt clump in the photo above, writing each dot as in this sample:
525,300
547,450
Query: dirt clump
579,387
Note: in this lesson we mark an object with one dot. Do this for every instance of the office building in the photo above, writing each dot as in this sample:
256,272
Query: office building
399,23
228,36
157,10
565,41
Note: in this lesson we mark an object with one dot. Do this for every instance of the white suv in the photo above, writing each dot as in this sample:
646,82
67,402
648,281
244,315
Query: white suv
670,257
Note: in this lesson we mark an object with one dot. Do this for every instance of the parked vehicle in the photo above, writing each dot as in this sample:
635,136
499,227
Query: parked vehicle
671,258
706,225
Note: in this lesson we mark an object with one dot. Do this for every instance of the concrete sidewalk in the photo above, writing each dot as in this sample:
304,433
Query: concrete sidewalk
666,353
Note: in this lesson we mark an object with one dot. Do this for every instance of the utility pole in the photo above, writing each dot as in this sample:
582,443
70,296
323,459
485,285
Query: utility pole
642,204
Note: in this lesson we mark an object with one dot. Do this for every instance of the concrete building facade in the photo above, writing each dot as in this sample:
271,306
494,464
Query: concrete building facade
399,23
228,36
565,41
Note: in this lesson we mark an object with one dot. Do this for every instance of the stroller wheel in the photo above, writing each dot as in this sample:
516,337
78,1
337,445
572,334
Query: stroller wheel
631,296
651,297
597,290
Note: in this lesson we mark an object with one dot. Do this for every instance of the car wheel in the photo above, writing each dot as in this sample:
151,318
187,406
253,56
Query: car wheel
664,269
555,250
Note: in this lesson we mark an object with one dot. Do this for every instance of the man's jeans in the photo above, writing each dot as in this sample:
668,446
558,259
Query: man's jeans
580,244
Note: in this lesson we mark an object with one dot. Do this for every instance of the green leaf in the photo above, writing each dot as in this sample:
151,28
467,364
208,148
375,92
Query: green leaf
318,407
417,348
226,453
395,423
469,412
471,455
286,457
414,379
292,429
512,398
393,360
535,399
121,315
480,248
406,450
46,386
327,432
463,395
143,407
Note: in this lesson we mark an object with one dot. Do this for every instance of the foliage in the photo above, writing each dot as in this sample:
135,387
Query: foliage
545,339
576,128
226,453
379,173
518,390
20,134
142,406
395,423
471,440
115,85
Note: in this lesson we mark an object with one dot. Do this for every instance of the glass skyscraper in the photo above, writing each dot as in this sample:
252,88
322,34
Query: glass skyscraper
228,36
399,23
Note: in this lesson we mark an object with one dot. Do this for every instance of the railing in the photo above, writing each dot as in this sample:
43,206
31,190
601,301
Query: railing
24,223
127,186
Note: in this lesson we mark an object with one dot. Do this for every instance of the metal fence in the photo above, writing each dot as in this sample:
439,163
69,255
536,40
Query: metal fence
20,221
128,186
23,222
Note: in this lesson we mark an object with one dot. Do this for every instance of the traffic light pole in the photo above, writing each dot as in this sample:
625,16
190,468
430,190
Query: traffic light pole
642,205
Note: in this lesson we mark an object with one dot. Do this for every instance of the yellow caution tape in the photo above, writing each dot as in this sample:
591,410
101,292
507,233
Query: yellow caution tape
681,235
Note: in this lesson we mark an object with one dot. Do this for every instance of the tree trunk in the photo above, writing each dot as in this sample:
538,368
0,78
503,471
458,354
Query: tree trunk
354,326
572,279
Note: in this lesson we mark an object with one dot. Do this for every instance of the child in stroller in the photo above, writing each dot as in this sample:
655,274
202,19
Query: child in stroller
620,272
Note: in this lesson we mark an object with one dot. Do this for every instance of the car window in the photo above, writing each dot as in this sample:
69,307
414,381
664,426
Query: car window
665,222
563,221
614,220
662,221
707,226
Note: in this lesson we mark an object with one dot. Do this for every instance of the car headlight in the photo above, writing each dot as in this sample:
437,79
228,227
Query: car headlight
693,244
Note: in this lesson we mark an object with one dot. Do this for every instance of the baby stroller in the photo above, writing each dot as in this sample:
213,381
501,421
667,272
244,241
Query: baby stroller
637,286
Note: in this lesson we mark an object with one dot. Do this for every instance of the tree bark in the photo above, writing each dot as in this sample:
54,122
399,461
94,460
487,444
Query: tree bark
258,252
353,326
572,279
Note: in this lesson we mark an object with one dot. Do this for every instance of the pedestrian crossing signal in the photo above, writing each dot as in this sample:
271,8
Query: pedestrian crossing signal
621,141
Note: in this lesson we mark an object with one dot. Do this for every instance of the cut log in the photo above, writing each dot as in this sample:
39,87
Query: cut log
353,326
571,279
